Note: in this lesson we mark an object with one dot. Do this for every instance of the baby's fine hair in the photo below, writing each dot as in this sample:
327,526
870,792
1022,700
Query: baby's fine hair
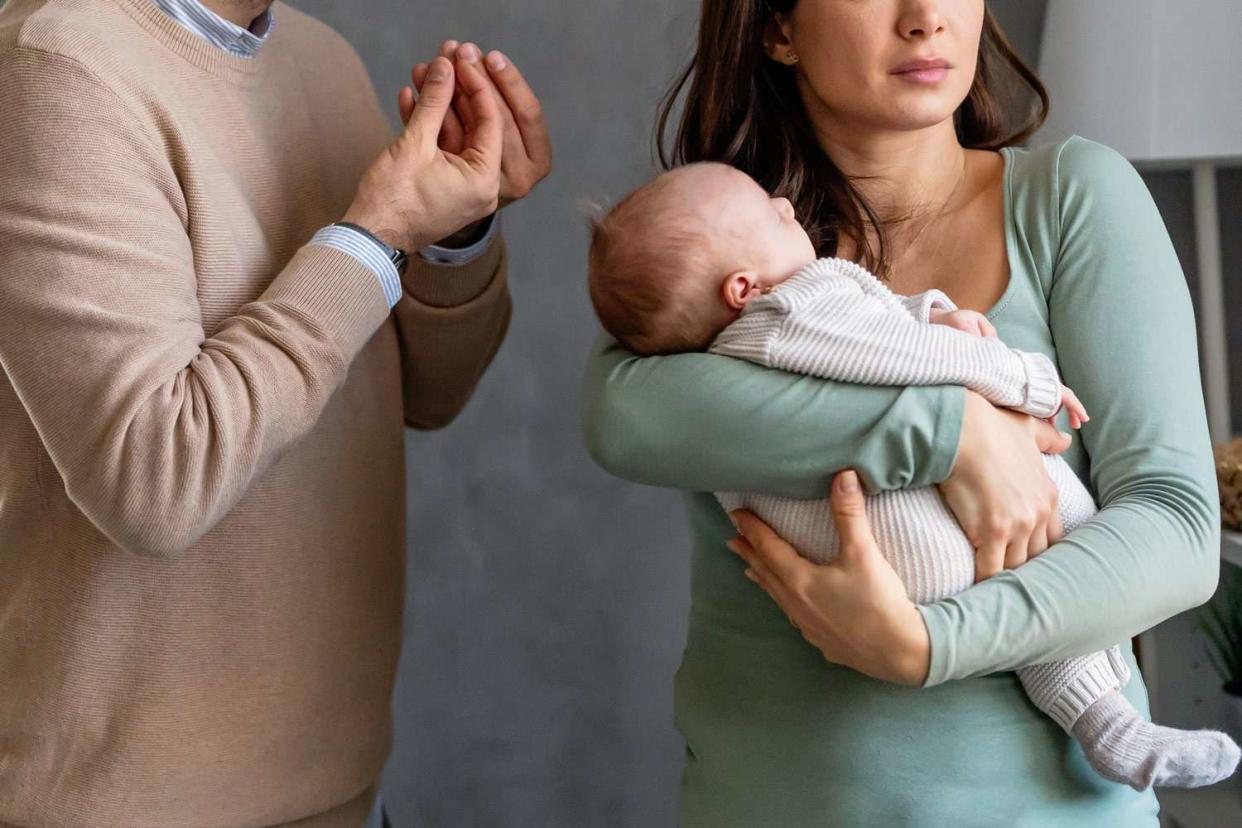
645,254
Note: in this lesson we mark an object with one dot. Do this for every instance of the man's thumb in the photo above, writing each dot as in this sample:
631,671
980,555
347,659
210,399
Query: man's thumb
849,512
434,100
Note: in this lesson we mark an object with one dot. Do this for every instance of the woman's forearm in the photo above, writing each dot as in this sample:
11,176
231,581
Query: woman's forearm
1121,317
709,423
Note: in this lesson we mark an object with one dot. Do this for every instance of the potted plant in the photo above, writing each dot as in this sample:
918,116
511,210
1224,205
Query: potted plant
1221,621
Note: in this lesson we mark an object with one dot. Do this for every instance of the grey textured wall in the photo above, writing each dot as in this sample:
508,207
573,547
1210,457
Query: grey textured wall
546,608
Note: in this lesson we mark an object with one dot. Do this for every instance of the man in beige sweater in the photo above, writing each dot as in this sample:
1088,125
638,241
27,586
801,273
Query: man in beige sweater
204,386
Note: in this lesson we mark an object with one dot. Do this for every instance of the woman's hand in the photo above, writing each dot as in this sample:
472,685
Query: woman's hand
999,488
853,609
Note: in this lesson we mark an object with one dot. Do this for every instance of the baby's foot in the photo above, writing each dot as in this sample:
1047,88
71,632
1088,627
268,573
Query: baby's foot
1124,747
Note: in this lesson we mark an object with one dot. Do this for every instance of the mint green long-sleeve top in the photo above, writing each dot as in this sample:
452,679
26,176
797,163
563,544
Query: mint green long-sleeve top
775,735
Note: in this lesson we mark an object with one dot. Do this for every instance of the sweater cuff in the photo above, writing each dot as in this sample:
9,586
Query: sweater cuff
1043,385
922,304
442,285
334,290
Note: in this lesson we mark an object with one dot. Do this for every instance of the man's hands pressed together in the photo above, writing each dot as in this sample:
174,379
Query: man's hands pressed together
416,192
527,156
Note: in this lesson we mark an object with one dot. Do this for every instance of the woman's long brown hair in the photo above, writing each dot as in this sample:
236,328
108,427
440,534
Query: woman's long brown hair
743,109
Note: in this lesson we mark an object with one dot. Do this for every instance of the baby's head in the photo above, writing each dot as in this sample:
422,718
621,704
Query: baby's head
677,259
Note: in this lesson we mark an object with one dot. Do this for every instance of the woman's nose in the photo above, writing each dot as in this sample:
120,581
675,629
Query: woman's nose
920,18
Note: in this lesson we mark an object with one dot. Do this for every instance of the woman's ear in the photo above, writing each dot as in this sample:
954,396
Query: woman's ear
776,42
740,287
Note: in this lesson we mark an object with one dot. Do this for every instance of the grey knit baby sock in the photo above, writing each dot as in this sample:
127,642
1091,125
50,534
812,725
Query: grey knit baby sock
1124,747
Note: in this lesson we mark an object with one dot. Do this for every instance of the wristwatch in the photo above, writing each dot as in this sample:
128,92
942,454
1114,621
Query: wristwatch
396,255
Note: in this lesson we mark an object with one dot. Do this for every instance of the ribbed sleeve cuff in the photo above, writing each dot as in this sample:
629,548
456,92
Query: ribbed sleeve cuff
1043,385
950,414
1098,677
922,304
336,291
448,285
942,650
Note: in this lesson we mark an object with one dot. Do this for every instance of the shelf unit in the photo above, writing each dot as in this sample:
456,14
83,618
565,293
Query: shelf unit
1219,805
1231,546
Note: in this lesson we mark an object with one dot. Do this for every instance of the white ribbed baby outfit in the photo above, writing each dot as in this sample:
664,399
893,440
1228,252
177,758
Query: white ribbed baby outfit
833,319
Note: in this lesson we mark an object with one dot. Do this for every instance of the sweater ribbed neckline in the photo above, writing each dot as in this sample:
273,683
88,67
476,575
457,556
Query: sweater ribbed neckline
197,51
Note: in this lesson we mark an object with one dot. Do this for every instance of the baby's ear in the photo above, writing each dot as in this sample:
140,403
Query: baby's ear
739,288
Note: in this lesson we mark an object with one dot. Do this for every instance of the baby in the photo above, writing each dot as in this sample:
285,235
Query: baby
702,258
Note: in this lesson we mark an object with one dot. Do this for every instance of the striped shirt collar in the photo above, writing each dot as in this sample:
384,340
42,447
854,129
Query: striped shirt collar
213,28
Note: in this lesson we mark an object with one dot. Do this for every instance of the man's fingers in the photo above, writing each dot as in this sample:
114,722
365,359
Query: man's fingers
451,134
522,102
405,104
484,140
433,103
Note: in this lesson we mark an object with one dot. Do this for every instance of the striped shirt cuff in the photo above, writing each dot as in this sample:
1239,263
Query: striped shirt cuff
366,251
462,255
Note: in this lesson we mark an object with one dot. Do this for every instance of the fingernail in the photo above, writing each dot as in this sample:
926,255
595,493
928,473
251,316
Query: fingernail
849,481
496,60
732,544
1066,435
469,52
750,573
438,71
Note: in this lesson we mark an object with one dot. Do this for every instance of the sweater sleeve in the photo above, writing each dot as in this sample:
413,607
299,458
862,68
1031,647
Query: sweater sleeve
836,321
1122,321
451,318
156,427
451,321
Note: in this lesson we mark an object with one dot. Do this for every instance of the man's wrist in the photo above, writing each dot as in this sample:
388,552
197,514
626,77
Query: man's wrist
469,235
378,228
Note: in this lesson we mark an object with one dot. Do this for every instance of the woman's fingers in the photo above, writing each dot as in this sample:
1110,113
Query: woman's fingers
525,106
849,514
768,550
759,572
1016,551
1056,530
989,559
1048,439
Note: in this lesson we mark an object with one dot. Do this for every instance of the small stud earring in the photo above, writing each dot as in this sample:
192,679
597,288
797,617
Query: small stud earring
791,59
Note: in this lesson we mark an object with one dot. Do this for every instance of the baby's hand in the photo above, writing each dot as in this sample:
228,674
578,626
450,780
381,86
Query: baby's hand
1072,405
972,322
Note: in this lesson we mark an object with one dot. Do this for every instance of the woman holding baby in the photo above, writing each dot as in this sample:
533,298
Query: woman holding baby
892,126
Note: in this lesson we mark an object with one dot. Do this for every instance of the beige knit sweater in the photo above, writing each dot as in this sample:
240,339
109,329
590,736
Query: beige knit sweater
201,458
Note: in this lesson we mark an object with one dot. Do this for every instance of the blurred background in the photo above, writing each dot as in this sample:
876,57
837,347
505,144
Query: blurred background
547,601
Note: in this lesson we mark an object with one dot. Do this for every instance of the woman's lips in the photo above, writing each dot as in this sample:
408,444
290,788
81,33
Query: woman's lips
925,71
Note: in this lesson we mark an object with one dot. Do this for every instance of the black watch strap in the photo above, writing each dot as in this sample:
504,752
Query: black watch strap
396,255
